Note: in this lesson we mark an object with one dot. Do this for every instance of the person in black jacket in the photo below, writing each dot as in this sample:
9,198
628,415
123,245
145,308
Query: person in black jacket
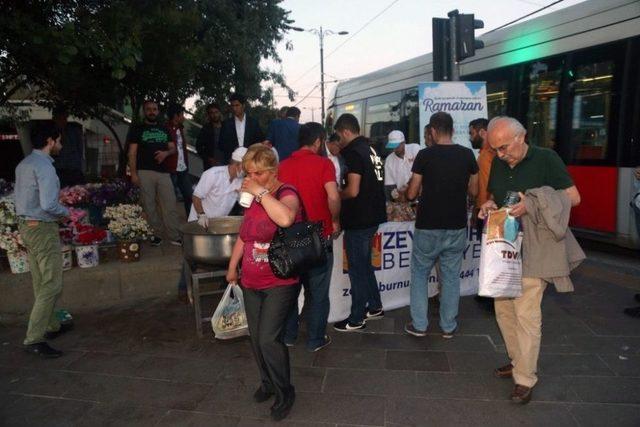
208,140
239,130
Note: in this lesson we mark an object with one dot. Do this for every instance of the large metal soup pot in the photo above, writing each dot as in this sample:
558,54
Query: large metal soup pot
214,245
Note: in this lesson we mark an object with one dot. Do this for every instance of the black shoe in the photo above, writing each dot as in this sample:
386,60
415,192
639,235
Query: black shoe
43,349
374,314
411,330
64,327
346,326
155,241
327,341
637,297
280,410
632,311
261,395
449,335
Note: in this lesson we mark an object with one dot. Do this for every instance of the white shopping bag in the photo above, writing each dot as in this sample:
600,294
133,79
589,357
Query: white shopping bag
230,320
501,257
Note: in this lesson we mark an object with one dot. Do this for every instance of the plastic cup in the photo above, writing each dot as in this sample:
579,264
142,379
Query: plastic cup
246,199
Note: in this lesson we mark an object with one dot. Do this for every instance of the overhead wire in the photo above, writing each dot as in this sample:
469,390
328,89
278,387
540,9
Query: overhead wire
525,16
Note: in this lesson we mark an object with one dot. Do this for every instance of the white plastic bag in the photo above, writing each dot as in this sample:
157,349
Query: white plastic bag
501,257
230,320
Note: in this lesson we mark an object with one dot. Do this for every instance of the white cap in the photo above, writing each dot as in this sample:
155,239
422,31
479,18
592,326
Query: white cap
238,154
395,138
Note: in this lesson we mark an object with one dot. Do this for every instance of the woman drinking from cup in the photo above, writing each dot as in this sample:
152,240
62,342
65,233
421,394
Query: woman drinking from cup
267,298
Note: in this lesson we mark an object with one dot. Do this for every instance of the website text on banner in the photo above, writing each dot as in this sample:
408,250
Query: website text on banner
465,101
391,258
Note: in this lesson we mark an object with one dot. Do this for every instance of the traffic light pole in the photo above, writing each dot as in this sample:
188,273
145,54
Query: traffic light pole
453,37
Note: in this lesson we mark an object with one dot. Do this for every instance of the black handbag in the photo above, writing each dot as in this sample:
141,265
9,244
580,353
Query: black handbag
297,248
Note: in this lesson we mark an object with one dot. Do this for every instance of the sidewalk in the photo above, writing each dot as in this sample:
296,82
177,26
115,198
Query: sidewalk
143,365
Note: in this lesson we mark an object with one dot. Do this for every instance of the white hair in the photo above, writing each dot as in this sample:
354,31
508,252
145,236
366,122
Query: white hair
514,125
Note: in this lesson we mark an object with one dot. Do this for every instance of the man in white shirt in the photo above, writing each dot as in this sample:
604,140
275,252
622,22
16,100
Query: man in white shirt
397,166
333,153
214,196
241,130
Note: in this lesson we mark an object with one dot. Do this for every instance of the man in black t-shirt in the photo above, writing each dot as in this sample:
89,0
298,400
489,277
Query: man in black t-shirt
363,209
446,173
149,145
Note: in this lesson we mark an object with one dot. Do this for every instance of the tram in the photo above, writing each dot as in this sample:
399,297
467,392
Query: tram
572,77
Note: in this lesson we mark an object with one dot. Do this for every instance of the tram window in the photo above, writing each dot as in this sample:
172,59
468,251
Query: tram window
497,98
383,116
354,108
592,90
544,87
410,120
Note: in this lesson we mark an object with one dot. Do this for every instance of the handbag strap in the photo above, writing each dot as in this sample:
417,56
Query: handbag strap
292,188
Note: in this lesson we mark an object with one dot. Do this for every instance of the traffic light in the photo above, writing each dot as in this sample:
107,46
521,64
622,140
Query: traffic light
441,49
466,43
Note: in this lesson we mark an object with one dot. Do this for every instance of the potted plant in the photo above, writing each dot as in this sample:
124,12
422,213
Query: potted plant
128,225
86,240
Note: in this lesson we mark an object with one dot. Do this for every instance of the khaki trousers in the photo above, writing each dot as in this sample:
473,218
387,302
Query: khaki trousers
156,190
45,262
520,321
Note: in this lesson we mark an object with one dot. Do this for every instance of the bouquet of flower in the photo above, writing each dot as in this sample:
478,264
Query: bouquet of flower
74,196
127,223
88,235
10,239
6,187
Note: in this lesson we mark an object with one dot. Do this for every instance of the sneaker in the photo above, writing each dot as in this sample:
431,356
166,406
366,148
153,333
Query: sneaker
346,326
449,335
177,242
374,314
155,241
289,344
327,341
411,330
43,350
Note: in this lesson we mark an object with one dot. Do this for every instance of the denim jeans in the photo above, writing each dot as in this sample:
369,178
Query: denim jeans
428,246
316,293
364,285
182,181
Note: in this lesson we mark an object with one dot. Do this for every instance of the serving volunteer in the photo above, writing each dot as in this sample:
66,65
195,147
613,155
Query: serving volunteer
397,173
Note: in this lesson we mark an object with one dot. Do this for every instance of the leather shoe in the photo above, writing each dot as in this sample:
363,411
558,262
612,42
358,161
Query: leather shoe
43,349
521,394
262,395
505,371
280,410
64,327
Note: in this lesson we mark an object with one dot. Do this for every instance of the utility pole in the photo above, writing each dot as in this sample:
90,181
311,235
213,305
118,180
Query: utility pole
321,35
453,29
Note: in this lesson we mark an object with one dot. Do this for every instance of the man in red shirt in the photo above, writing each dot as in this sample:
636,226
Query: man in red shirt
313,174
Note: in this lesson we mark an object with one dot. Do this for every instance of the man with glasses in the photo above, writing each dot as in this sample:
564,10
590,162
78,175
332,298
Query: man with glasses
518,168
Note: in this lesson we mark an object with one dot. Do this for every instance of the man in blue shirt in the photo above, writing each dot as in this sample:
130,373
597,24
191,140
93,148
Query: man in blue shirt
283,133
36,198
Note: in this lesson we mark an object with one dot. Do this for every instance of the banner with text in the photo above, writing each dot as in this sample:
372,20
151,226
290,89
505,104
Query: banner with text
465,101
391,260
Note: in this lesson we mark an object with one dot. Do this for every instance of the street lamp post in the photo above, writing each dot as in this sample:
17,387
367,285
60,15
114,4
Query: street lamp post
321,34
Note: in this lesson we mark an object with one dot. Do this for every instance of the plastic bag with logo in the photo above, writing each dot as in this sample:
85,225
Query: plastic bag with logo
500,257
230,320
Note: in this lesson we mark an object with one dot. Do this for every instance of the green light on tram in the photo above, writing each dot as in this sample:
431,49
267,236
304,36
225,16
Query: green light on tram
525,48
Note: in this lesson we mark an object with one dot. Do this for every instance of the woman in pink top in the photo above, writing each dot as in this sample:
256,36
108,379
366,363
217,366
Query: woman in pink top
267,298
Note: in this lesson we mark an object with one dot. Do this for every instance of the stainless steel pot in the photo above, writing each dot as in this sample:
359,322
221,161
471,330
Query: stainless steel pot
214,245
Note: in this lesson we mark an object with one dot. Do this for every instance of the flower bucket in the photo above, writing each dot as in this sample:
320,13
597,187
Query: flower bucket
18,262
129,251
67,258
88,256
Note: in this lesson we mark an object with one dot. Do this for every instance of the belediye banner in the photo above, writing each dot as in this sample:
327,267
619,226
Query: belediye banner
465,101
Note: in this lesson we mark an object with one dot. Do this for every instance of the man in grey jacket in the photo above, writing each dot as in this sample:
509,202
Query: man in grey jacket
518,168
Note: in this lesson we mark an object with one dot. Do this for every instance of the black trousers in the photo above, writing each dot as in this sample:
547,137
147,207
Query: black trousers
266,314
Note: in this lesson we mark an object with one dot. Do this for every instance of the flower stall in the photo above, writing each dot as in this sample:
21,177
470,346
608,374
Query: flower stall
127,224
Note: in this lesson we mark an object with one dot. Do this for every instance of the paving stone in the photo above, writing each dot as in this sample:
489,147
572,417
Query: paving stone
606,345
322,407
121,415
41,411
597,415
181,370
553,389
424,412
623,364
42,382
384,325
367,382
392,342
13,355
308,379
607,389
108,363
350,358
434,385
136,391
417,361
572,364
251,422
462,361
461,342
196,419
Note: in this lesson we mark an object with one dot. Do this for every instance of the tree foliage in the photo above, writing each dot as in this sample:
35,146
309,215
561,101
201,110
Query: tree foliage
89,54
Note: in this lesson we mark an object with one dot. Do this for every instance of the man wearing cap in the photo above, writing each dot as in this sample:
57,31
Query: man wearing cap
214,196
397,166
